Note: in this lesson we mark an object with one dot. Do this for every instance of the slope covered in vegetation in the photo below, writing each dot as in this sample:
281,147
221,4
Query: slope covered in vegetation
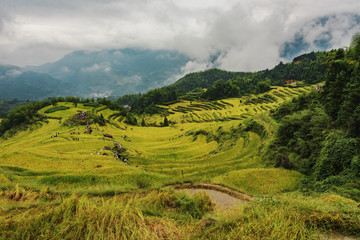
319,132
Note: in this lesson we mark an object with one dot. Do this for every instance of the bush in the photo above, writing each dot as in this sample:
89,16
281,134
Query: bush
54,109
143,181
195,206
130,119
336,155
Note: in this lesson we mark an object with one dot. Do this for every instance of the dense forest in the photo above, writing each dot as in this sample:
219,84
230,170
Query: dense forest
319,133
215,84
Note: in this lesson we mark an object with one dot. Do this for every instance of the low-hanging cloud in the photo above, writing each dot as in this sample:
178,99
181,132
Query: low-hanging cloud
105,67
245,35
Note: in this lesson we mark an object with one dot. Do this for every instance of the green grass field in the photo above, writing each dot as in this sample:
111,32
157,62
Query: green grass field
76,174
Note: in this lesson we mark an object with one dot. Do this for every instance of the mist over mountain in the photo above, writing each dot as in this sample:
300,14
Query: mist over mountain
115,72
16,82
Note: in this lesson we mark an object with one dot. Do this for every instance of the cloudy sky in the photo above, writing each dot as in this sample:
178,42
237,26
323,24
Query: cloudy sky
244,34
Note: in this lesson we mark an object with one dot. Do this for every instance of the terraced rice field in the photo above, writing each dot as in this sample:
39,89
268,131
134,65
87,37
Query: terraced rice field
202,143
229,109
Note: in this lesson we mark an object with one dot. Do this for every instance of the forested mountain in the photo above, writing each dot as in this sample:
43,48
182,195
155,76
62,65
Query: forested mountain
307,67
16,82
114,72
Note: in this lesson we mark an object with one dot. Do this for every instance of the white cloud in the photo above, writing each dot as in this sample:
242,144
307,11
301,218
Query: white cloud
92,68
100,95
13,73
118,53
191,66
249,34
97,67
107,69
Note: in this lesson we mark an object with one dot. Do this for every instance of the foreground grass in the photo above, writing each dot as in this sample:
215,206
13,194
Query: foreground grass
173,215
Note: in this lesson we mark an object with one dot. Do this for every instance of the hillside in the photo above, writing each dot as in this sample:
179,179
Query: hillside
191,141
308,67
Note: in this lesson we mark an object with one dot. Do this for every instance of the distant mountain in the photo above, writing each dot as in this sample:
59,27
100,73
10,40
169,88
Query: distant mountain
114,72
16,82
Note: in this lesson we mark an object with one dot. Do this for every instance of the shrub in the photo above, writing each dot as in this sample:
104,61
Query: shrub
54,109
335,156
143,181
195,206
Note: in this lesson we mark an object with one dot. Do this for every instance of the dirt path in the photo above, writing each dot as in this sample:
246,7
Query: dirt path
224,198
221,200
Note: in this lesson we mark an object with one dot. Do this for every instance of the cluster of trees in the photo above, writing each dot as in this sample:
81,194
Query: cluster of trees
22,115
310,141
341,97
235,88
147,102
7,105
319,134
206,79
309,68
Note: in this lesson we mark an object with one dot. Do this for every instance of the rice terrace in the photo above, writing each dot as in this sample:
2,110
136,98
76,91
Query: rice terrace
179,120
185,151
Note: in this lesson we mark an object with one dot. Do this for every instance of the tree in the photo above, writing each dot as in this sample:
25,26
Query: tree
263,86
166,122
143,124
130,119
355,47
53,101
